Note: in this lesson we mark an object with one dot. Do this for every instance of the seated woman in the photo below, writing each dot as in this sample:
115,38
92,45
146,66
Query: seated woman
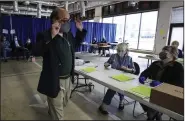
176,44
166,70
120,61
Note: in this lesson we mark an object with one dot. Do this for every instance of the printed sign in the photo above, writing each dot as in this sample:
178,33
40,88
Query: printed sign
5,31
12,31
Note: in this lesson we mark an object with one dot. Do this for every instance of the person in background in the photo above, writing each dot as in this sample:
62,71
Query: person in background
93,47
58,51
120,61
28,46
19,49
166,70
176,44
103,41
5,47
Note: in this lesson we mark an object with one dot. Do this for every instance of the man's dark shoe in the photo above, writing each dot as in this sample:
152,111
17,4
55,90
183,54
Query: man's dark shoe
121,107
103,111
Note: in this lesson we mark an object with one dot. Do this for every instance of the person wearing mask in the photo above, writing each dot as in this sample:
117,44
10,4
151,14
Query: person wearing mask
103,41
120,61
93,47
5,47
176,44
28,46
58,47
19,49
166,70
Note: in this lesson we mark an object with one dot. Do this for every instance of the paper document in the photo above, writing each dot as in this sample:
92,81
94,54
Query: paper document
142,90
12,31
5,31
122,78
89,69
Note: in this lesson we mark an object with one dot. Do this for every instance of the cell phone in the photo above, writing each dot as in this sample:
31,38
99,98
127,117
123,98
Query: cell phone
87,61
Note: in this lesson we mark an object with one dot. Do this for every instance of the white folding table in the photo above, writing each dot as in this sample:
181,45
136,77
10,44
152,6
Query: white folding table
102,76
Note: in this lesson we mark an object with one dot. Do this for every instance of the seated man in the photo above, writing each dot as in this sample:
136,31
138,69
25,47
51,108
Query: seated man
103,41
28,46
19,50
166,70
93,47
176,44
120,61
5,47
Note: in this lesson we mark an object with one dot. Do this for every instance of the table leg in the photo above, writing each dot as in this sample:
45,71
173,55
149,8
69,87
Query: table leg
148,63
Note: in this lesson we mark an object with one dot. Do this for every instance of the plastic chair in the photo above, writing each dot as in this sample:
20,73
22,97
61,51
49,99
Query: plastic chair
137,69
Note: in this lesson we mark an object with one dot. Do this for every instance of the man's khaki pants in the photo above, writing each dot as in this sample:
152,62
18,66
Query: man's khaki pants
56,105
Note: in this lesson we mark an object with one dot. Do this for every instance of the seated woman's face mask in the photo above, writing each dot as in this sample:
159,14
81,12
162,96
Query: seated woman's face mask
165,55
122,51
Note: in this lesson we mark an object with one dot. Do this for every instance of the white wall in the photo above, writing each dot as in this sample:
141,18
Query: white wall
163,25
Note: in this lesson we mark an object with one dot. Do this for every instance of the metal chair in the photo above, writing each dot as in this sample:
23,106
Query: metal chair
137,72
89,85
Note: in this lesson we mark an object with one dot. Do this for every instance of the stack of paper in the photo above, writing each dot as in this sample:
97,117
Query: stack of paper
122,78
89,69
142,90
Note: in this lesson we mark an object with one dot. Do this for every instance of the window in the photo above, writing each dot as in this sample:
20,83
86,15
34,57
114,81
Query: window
120,21
136,29
177,35
108,20
132,29
147,31
177,15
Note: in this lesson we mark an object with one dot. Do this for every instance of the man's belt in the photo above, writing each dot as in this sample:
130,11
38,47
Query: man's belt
64,77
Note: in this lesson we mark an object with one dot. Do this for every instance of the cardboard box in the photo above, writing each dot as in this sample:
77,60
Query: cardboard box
168,96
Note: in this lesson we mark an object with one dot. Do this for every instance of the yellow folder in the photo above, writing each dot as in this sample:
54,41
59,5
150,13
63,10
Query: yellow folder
89,69
142,90
122,78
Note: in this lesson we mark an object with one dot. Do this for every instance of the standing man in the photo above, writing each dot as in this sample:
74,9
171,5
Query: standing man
58,47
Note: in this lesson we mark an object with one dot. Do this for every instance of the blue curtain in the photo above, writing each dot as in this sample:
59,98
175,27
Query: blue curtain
98,31
109,32
25,27
89,27
22,26
28,27
6,25
39,25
